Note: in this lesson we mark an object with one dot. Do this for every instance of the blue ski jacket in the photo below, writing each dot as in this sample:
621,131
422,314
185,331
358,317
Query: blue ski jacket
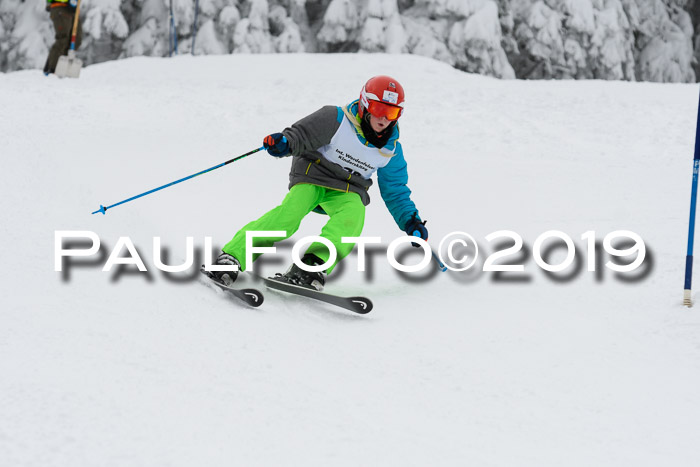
329,149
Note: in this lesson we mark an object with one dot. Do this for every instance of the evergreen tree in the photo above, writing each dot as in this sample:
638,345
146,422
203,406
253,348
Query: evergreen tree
649,40
252,33
383,29
104,30
26,35
340,29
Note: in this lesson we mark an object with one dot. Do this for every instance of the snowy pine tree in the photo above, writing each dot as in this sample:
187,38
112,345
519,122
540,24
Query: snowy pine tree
286,34
252,33
208,35
104,30
340,29
650,40
475,39
150,33
427,36
26,34
302,14
226,23
665,42
383,29
466,34
606,39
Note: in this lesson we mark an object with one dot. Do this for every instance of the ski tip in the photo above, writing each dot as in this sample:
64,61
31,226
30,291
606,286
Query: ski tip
362,305
253,297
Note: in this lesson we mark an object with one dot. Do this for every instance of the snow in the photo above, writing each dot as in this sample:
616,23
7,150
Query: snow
126,368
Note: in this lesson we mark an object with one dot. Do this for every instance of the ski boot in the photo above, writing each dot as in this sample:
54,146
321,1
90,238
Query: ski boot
311,280
226,277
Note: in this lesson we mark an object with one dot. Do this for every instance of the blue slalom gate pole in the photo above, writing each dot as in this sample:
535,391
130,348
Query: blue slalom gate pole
103,209
173,32
687,300
194,23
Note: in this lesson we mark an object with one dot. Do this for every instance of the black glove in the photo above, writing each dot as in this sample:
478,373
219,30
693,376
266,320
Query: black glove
416,227
276,144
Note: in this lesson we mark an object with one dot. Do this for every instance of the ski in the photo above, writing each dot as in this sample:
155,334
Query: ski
360,305
252,297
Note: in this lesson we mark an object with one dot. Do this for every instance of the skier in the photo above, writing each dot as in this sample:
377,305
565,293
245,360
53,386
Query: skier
335,151
62,13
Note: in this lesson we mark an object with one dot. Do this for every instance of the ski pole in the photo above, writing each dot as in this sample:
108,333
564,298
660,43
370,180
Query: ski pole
103,209
442,267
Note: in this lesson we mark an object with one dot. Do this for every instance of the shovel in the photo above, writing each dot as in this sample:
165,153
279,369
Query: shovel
69,65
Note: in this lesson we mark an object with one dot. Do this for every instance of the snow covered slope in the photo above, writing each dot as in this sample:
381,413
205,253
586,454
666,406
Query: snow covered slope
449,369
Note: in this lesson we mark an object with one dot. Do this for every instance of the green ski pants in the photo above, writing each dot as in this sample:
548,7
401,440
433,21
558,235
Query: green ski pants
347,218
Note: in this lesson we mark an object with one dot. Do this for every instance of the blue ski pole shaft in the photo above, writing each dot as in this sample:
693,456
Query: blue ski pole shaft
442,267
691,223
103,209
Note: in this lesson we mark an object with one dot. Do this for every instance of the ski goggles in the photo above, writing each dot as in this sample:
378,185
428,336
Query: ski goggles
380,109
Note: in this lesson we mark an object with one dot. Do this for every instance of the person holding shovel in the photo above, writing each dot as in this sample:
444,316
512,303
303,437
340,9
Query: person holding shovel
62,15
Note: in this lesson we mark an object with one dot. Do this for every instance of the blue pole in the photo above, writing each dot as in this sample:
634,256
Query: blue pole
442,267
170,30
103,209
691,223
175,36
194,23
173,32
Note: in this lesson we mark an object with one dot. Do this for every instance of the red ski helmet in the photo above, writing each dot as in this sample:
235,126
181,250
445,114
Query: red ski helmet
382,96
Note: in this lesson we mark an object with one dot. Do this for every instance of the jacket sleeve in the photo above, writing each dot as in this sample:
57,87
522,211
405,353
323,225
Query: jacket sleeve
392,180
313,131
